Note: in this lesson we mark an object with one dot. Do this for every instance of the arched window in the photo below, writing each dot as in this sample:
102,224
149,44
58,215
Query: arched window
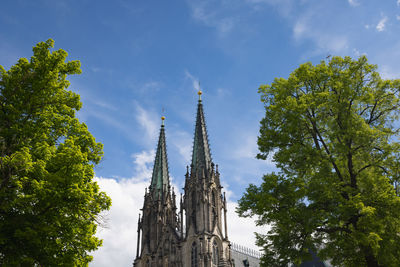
194,255
215,255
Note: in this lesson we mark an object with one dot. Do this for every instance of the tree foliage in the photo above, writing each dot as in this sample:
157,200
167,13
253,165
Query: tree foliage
332,132
49,202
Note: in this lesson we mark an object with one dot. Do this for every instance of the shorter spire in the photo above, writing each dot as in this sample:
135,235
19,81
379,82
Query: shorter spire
160,177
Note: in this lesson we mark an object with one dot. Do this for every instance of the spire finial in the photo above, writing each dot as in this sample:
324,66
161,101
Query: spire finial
162,116
199,92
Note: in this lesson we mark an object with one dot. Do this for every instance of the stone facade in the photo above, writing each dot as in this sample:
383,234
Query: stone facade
196,236
159,224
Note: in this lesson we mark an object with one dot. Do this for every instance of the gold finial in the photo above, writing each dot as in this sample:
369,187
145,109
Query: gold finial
199,92
162,116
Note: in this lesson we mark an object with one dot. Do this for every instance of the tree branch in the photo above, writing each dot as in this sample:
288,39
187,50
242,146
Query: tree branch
325,147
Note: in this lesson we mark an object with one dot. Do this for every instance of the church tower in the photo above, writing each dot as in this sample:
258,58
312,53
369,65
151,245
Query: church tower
159,225
205,238
199,238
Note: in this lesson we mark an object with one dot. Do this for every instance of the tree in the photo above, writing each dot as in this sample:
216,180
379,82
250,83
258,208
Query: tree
49,202
332,131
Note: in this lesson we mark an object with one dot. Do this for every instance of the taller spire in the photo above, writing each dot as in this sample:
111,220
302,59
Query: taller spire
160,177
201,155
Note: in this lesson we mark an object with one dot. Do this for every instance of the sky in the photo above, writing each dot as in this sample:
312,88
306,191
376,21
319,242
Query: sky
144,59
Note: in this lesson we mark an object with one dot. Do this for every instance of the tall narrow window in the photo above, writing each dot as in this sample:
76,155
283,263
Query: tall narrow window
194,255
193,215
213,209
213,198
194,200
215,256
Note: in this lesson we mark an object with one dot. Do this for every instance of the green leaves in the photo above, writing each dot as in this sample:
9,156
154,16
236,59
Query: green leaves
331,130
49,202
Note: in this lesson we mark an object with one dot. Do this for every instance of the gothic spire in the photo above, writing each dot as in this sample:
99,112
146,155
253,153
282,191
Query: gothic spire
201,156
160,177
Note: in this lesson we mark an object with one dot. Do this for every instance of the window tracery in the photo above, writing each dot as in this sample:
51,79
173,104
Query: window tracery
215,255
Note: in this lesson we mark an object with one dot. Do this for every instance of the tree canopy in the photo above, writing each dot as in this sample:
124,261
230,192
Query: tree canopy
332,130
49,202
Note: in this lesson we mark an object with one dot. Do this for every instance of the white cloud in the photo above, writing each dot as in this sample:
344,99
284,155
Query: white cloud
336,44
398,2
357,53
387,62
143,165
151,86
241,230
103,104
183,142
223,92
195,80
299,29
381,24
284,6
354,2
142,87
147,120
389,72
397,16
101,70
222,15
206,13
107,118
326,42
247,148
119,239
306,27
223,25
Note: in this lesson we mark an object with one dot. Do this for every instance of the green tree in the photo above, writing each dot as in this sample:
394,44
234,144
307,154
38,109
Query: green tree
331,130
49,202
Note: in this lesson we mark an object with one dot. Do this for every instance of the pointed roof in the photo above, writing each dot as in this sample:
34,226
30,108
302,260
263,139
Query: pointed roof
160,177
201,155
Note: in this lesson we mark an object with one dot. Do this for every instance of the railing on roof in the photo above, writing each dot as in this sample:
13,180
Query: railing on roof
247,251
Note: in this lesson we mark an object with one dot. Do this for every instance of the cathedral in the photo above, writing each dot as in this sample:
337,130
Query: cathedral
196,235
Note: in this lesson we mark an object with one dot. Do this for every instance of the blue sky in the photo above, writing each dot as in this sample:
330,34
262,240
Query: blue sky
140,57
